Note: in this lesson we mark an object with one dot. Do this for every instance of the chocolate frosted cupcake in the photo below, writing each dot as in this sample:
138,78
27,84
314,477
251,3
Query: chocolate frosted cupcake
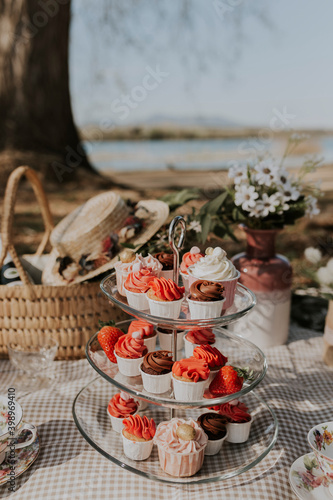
205,299
156,371
214,426
166,259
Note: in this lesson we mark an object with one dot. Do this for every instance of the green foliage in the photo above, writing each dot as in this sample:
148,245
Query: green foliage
179,198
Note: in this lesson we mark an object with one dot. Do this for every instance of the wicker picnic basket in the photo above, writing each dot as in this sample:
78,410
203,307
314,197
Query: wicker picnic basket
69,313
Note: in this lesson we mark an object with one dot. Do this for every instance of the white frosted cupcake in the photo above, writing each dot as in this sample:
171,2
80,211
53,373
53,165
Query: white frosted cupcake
165,298
197,337
138,434
216,267
122,405
189,378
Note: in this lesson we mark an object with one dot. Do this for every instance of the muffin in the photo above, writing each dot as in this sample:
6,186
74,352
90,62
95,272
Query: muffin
129,351
129,263
136,286
214,426
165,338
181,446
138,434
189,258
156,371
189,378
166,259
216,267
147,330
165,298
120,406
206,299
239,421
213,357
197,337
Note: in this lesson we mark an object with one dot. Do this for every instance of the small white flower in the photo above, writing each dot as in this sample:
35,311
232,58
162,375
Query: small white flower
325,276
311,206
282,177
245,196
289,192
266,172
238,173
266,204
313,255
194,225
329,265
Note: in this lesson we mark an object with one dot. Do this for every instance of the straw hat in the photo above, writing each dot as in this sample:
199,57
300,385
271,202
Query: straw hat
83,231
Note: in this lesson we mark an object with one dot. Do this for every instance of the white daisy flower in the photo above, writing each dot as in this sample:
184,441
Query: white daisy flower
267,204
325,276
245,196
313,255
282,177
238,173
266,172
194,225
311,206
289,192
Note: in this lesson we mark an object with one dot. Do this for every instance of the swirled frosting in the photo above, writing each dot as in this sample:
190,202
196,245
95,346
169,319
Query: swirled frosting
213,424
201,336
122,405
190,258
191,369
211,355
235,413
140,427
163,289
130,346
166,259
138,263
214,266
139,325
167,438
206,291
157,363
138,282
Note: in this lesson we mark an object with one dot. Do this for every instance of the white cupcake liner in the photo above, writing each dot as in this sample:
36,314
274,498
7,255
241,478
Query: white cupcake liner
156,384
189,347
165,340
143,405
214,446
116,423
150,342
229,287
137,300
130,367
168,275
179,464
205,310
165,308
188,391
238,432
137,450
186,282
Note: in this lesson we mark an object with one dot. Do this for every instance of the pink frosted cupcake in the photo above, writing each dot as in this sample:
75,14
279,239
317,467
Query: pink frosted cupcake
189,378
189,258
197,337
181,446
122,405
129,351
147,330
131,263
138,434
136,286
213,357
165,298
166,259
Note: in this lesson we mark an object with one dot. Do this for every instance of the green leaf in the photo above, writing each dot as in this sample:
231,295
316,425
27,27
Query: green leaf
179,198
205,227
214,205
128,245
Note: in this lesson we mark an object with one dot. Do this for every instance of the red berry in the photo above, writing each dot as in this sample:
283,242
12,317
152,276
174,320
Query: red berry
227,381
108,337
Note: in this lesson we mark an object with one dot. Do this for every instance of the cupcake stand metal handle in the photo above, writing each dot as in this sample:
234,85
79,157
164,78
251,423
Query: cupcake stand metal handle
176,247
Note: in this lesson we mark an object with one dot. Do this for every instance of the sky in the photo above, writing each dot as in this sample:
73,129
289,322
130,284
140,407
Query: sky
242,71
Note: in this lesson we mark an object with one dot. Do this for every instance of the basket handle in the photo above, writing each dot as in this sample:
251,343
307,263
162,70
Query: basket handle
8,214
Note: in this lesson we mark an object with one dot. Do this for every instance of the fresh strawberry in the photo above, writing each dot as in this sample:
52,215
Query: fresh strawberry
227,381
107,337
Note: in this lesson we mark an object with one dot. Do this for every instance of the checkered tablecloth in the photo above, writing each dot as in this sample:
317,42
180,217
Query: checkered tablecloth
298,386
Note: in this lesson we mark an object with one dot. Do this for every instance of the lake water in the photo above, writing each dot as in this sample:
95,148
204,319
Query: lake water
192,154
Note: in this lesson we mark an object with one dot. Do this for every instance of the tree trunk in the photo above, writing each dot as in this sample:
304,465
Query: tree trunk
36,121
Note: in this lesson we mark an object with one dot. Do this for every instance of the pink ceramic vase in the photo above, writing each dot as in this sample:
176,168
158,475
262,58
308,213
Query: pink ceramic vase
269,276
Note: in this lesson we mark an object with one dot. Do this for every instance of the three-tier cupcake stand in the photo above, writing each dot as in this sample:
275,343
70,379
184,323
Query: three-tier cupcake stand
90,405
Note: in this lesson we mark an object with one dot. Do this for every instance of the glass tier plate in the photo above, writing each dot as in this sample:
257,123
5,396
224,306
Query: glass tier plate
245,300
92,420
240,352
